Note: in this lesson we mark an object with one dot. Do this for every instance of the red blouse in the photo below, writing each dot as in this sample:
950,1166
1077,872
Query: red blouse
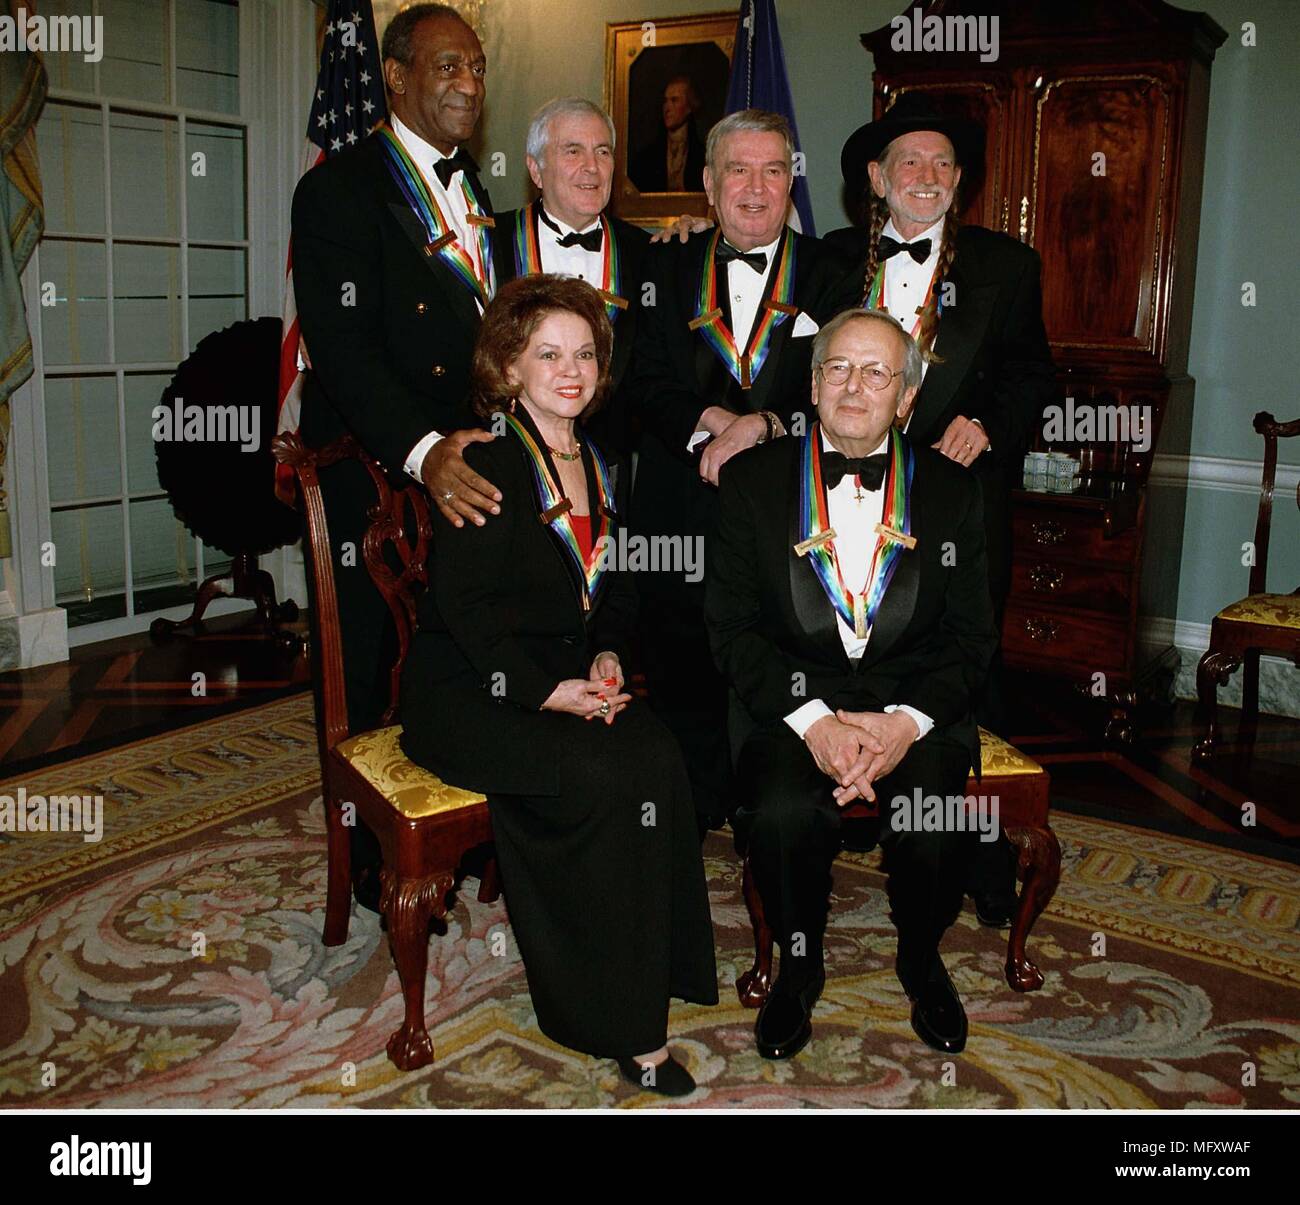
582,531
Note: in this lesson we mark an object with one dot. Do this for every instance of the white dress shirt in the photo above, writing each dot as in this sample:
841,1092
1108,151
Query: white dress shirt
570,261
855,543
747,290
456,211
906,280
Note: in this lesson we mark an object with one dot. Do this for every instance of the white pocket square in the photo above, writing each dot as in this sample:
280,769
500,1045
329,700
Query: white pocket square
804,325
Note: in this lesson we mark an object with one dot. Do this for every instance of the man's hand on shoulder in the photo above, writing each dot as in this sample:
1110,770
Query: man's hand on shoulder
741,434
458,492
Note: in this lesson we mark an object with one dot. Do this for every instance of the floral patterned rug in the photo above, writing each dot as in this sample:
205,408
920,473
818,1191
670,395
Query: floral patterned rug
1173,969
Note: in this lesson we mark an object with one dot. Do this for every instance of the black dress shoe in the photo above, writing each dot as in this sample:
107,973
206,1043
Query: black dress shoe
994,913
784,1023
937,1013
366,888
670,1077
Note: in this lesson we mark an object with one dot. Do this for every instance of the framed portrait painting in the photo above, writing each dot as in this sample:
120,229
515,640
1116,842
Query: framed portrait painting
665,87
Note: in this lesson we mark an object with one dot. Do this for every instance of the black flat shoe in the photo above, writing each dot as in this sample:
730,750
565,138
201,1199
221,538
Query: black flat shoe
937,1013
784,1023
670,1078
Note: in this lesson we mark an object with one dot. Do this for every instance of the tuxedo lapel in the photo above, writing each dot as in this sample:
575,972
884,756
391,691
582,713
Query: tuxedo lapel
813,611
458,296
961,332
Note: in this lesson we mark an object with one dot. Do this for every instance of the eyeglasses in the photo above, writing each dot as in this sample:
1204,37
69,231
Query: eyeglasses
874,376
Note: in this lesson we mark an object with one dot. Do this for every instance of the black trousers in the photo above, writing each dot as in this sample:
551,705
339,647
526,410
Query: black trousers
789,824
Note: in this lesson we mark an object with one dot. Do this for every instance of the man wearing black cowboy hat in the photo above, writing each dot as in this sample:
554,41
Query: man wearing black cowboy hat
972,299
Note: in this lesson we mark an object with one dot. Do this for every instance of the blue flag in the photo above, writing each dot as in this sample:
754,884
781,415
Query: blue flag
759,81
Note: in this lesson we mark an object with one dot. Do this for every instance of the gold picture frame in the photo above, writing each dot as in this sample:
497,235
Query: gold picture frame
643,59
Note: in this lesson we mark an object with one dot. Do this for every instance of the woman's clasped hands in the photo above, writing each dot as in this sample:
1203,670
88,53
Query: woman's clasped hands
599,695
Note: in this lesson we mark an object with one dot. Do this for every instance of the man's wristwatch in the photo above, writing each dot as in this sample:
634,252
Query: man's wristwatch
773,425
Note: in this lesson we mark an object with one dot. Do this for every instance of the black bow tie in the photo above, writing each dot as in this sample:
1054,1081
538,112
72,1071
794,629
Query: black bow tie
591,241
755,259
870,470
919,250
461,161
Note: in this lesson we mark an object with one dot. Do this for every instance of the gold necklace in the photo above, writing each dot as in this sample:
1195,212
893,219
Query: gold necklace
565,455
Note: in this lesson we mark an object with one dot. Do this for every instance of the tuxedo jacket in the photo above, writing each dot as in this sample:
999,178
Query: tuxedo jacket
996,364
610,426
501,625
394,365
774,632
676,375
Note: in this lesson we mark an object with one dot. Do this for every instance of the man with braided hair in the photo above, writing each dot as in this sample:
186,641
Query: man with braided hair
971,298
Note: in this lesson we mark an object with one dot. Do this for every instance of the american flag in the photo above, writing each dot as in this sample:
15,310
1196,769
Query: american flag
348,104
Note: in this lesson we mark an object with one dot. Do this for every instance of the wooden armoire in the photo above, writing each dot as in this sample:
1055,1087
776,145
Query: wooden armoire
1095,115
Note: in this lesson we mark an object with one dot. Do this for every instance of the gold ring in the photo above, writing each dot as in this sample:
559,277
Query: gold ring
604,708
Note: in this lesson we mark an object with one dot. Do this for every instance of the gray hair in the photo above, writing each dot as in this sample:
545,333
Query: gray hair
747,121
911,353
539,129
399,37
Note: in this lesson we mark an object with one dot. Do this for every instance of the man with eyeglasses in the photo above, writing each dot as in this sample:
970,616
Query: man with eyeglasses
847,602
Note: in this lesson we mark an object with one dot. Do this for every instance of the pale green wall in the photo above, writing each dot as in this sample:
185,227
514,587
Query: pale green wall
1243,360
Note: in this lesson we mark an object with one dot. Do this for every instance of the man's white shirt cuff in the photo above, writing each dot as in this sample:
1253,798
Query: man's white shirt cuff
806,716
415,461
923,721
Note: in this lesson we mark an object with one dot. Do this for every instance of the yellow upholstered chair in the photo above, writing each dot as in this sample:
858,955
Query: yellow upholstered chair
425,827
1259,623
1021,787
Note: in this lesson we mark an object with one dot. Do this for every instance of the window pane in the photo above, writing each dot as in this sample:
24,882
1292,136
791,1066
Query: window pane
81,438
88,560
143,391
218,291
135,37
69,69
162,551
215,199
143,162
70,142
75,329
146,303
207,55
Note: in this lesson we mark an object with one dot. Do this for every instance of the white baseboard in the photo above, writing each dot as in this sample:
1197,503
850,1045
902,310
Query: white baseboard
1220,473
1279,679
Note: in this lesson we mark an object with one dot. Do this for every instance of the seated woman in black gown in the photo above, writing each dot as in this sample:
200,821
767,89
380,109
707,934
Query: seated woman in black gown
515,687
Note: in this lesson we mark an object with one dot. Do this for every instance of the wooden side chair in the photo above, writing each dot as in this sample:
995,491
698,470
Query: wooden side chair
425,827
1258,623
1022,789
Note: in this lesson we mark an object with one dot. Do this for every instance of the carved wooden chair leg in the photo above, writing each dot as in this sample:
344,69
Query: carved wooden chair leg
489,886
1250,698
1212,671
753,986
1040,869
409,905
338,891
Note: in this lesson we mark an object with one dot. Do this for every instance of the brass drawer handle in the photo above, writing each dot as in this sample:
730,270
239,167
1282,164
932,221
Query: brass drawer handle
1046,577
1047,532
1040,629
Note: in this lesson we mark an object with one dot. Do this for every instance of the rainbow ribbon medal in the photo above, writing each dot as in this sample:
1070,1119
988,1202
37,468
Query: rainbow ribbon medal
776,308
555,512
858,611
875,298
528,258
441,238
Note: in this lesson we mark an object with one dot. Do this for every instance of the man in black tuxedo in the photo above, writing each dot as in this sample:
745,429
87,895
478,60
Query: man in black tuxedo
673,161
721,360
570,157
388,321
854,673
972,298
